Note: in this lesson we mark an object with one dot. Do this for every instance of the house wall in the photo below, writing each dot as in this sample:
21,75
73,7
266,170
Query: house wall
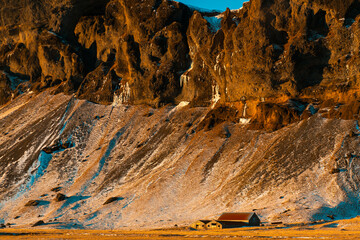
213,225
254,221
233,224
198,225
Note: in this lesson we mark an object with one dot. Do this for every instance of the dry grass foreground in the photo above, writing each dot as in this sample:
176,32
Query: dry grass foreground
342,229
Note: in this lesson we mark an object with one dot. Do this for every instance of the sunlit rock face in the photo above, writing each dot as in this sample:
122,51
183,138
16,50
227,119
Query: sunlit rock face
269,58
98,49
159,52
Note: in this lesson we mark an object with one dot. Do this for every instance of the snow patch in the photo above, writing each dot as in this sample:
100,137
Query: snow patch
24,157
124,96
180,105
312,109
184,78
357,126
244,111
63,117
215,95
244,120
214,23
217,66
40,167
111,146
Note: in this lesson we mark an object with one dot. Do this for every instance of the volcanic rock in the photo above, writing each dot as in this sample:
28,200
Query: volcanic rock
56,189
38,223
57,147
32,203
159,52
112,199
60,197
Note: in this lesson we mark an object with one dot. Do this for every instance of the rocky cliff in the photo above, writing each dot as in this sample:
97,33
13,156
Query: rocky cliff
158,52
159,110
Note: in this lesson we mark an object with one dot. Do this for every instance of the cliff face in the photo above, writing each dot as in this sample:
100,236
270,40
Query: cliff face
136,50
159,52
270,52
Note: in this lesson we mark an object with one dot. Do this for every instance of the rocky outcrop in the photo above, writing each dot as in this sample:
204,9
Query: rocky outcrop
157,52
59,146
32,203
60,197
97,48
277,49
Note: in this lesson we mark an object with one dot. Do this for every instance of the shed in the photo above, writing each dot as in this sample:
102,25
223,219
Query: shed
242,218
213,225
201,224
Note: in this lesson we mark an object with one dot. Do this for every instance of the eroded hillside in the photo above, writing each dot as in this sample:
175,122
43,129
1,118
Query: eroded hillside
162,167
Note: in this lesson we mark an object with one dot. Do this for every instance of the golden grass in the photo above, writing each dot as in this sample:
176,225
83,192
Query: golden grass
344,229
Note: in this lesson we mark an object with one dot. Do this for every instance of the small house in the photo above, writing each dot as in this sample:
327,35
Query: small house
228,220
239,219
201,224
216,224
213,225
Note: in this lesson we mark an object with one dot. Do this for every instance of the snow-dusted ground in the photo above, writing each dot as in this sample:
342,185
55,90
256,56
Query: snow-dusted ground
164,170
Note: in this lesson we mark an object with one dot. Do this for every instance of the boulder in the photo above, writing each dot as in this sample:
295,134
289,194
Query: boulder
38,223
32,203
112,199
56,189
60,197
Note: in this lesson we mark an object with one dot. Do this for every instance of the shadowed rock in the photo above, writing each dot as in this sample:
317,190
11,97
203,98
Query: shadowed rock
32,203
38,223
57,147
60,197
112,199
56,189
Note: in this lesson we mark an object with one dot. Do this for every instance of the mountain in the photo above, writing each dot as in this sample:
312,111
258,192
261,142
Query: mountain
174,114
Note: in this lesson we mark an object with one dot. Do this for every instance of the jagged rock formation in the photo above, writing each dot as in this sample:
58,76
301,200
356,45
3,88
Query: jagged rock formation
142,51
98,48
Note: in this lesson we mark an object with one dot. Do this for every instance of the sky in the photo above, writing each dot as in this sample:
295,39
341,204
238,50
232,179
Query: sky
215,4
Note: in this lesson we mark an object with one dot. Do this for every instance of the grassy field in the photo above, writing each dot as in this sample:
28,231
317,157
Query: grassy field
343,229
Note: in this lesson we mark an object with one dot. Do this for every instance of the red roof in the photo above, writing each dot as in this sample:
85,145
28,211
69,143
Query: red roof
242,216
